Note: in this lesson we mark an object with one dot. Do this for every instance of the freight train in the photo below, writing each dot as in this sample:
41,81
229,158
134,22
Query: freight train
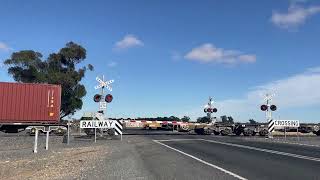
217,128
26,104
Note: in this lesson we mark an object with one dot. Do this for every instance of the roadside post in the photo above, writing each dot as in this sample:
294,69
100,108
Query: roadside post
68,133
47,140
35,147
298,134
285,136
95,135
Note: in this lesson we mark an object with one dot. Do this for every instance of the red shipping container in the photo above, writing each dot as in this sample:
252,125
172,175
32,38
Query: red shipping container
29,103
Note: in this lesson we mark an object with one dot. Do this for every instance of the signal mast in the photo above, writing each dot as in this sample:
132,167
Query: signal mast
209,109
268,108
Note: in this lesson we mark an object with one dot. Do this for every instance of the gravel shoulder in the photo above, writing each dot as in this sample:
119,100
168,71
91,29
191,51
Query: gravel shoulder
135,157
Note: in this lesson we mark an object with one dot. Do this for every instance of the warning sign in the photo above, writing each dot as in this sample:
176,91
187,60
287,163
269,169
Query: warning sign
97,124
286,123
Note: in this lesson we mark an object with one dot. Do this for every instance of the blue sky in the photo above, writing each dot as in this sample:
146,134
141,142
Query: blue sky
167,57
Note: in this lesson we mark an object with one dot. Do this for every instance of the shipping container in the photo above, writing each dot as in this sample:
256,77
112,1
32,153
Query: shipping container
27,103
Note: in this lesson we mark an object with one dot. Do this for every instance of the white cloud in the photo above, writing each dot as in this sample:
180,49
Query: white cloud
128,41
209,53
314,70
248,58
295,96
295,92
5,47
112,64
295,16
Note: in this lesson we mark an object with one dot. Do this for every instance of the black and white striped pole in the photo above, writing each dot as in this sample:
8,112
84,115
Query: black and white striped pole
268,108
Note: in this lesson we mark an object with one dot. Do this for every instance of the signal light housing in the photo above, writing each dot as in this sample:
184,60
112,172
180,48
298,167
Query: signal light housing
264,107
273,107
109,98
210,110
97,98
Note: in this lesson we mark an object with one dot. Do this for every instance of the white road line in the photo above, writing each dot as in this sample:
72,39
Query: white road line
266,150
166,140
300,144
200,160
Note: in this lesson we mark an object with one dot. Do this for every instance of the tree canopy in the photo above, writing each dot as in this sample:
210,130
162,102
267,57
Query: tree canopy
252,121
203,119
28,66
185,119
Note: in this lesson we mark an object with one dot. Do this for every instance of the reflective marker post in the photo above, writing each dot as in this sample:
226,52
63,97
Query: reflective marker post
285,135
35,148
95,134
47,140
68,132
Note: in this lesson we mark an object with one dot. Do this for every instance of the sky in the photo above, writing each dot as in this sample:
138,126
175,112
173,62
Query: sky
167,57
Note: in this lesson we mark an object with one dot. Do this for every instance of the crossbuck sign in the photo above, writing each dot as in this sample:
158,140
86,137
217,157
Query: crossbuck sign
104,84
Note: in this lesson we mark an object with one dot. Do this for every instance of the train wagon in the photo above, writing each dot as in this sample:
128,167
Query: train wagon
27,104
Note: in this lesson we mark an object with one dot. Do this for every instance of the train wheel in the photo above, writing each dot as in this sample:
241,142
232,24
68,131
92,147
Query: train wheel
254,133
263,132
248,132
224,133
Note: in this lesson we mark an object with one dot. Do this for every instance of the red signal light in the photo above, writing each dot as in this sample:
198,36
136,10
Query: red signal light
97,98
109,98
264,107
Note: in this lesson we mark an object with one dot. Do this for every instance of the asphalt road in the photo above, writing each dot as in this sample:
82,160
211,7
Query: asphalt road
243,159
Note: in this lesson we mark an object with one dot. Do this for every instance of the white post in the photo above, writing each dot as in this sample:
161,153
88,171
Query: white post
47,140
285,135
298,134
68,133
95,134
35,148
121,137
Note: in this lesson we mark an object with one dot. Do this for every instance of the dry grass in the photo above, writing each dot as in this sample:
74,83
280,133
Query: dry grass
65,164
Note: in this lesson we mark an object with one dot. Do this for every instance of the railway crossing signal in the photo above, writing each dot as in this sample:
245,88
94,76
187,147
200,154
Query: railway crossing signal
208,108
273,107
104,83
268,108
97,98
264,107
109,98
